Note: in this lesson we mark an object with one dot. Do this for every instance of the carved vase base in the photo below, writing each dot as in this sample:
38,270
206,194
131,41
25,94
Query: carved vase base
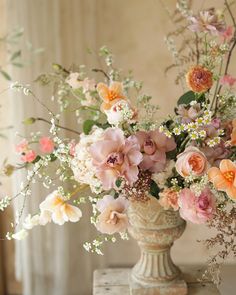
177,287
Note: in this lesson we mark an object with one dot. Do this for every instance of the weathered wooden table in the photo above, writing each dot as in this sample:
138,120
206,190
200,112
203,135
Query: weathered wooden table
115,281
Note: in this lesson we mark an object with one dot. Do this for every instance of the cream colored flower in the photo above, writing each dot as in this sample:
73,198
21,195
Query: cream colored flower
55,208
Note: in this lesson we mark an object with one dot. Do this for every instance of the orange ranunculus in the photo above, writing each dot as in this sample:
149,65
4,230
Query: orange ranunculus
110,94
199,79
224,178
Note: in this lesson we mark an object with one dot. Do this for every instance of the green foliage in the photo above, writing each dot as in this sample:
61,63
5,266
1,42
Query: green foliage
190,96
5,75
186,98
154,189
88,125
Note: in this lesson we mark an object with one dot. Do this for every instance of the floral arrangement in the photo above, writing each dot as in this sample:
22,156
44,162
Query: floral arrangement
126,154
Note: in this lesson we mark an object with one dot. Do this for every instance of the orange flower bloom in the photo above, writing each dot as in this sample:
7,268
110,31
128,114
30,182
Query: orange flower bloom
110,94
199,79
224,178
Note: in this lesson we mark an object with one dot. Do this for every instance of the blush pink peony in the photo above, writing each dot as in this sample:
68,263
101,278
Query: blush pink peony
46,145
154,146
197,209
116,156
113,217
191,161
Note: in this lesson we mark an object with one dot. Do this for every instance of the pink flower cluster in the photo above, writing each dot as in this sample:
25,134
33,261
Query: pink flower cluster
197,209
116,156
28,155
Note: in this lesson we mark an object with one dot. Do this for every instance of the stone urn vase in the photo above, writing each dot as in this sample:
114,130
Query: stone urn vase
155,230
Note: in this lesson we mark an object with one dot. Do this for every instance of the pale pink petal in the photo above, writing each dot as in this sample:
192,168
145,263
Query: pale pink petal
104,202
115,135
108,178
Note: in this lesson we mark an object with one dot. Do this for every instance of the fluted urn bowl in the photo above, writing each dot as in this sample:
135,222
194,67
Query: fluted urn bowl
155,230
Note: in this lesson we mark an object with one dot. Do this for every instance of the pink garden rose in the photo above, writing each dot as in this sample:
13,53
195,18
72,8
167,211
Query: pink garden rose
154,145
197,209
169,199
228,80
191,161
116,156
113,217
46,145
29,156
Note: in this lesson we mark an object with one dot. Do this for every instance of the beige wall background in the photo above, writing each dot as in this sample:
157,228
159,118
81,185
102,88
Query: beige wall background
135,31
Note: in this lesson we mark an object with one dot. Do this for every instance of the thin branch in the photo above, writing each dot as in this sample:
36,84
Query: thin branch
101,71
59,126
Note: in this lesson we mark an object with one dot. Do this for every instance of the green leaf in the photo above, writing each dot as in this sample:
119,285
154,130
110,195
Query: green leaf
118,182
88,125
186,98
15,55
36,159
154,189
5,75
17,64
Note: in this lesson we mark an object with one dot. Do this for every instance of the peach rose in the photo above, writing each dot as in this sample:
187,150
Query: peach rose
113,217
169,199
191,161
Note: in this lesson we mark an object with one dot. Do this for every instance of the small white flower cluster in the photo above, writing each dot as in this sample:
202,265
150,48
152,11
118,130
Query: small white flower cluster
164,130
161,178
214,141
4,203
95,246
81,165
20,88
198,187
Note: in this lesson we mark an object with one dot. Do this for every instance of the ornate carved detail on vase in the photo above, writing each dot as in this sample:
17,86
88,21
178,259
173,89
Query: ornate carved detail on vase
155,229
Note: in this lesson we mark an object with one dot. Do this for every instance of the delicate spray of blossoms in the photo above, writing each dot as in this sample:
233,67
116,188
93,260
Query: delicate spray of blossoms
46,145
110,94
199,79
113,217
116,156
197,209
224,177
55,208
154,146
207,21
191,162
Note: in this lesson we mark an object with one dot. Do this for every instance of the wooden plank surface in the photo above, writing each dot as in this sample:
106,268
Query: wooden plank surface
116,282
